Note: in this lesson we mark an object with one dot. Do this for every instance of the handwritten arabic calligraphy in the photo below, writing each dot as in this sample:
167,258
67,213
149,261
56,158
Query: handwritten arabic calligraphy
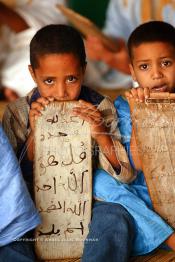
75,208
58,231
73,182
51,161
72,119
63,178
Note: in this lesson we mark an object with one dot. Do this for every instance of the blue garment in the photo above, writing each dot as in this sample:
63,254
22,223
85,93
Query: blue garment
18,214
18,252
150,229
110,234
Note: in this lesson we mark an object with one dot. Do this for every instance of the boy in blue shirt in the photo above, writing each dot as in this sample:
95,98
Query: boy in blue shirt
152,63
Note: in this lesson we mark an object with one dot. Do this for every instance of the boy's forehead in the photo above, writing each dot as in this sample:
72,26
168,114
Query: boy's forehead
58,66
49,59
152,49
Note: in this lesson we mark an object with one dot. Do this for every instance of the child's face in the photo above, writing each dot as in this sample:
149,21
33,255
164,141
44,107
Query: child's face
153,66
59,76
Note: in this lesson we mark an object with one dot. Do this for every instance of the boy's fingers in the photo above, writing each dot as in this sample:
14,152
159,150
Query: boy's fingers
85,104
134,92
146,92
137,93
43,100
128,94
89,111
90,118
50,99
38,106
141,94
88,108
34,112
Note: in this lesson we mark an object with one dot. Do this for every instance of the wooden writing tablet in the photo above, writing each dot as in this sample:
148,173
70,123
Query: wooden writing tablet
154,128
63,181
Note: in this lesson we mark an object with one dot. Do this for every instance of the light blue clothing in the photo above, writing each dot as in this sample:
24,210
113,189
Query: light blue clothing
18,214
150,228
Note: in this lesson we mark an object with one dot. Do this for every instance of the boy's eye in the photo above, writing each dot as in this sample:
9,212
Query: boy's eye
49,81
71,79
166,63
143,66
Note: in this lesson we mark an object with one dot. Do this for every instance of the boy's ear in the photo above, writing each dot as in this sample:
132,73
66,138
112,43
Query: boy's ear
32,72
132,72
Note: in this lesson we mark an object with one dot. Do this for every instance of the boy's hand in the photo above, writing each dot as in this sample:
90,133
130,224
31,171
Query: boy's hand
91,114
36,108
139,94
95,48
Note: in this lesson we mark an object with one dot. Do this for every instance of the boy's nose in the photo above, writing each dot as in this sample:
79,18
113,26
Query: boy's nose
60,91
157,72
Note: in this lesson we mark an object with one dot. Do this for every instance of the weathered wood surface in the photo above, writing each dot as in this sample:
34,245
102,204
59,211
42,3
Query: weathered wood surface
87,27
63,185
154,126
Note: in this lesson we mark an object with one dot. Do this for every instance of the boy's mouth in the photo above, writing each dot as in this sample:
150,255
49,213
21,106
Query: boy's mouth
159,88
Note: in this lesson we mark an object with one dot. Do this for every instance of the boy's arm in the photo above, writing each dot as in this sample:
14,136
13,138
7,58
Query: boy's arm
99,132
107,147
12,19
126,174
112,154
97,51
